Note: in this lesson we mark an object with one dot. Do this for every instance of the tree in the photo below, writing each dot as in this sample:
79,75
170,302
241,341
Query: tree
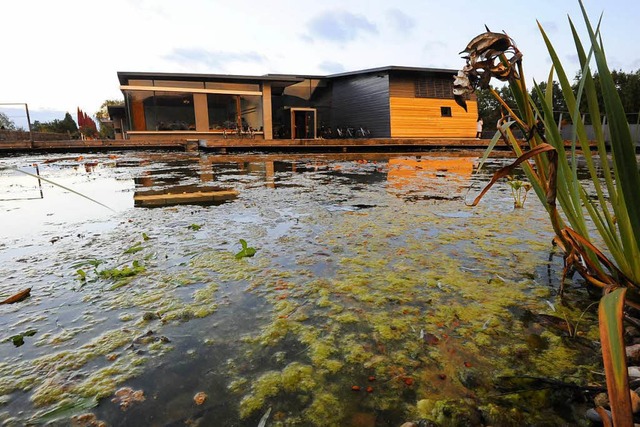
490,109
559,105
106,127
6,122
67,125
628,87
87,125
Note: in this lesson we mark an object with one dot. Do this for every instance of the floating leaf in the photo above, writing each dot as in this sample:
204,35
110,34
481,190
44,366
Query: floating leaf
246,251
17,340
135,248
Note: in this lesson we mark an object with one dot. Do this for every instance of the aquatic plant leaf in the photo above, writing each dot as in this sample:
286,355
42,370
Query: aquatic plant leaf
265,418
66,409
246,251
135,248
82,275
507,170
17,340
121,274
622,145
610,313
489,150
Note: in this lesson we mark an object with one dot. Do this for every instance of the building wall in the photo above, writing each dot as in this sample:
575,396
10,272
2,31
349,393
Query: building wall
416,108
422,118
362,101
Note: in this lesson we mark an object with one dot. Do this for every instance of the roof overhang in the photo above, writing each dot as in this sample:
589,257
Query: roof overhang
124,77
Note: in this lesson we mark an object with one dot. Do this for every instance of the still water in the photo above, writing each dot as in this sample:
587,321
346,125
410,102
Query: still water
374,294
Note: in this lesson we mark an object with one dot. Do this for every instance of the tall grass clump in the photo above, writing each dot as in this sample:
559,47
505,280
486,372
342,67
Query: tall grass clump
597,224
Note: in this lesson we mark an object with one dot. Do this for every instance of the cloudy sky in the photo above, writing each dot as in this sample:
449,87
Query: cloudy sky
64,54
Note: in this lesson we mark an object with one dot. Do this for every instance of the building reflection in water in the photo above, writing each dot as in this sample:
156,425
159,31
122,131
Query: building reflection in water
414,176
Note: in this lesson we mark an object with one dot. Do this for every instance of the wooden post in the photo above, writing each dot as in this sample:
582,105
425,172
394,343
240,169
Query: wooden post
26,107
267,122
239,113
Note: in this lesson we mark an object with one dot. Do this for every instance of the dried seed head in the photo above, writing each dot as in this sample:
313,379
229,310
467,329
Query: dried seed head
488,55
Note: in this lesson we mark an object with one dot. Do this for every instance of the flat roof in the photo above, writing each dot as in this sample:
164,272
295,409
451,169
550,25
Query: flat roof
394,68
125,76
284,79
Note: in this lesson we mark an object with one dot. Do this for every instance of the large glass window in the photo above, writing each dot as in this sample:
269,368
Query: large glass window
161,111
173,111
226,110
137,102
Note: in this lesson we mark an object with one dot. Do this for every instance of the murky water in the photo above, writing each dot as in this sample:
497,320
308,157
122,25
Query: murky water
375,295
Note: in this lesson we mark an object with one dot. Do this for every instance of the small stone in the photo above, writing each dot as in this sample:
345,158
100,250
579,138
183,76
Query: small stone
635,401
601,399
593,416
633,353
631,332
634,371
200,398
469,378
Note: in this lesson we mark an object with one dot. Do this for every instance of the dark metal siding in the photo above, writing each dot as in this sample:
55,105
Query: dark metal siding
362,101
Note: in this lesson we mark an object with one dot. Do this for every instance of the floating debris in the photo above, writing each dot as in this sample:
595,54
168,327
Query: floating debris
200,398
126,396
23,294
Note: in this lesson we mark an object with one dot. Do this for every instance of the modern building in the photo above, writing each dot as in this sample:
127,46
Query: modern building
389,102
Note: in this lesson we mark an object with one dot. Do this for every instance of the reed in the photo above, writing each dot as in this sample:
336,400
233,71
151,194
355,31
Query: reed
597,223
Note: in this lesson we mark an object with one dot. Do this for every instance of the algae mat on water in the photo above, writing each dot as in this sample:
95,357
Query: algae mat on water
374,296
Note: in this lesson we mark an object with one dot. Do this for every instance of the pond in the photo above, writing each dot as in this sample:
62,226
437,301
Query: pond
282,290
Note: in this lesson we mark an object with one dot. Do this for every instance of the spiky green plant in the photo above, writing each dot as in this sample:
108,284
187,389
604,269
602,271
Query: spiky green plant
599,233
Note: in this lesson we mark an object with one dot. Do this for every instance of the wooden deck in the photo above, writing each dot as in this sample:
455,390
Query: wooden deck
246,144
168,199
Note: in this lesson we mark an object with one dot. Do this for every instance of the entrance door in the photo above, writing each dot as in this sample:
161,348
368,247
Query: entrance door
303,123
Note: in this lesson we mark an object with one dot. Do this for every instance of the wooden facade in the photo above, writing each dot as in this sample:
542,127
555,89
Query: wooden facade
391,102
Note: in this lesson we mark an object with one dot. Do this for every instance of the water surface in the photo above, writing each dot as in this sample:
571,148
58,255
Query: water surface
375,295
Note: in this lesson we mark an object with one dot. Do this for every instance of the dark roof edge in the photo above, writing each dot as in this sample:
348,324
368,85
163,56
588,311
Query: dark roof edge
124,76
394,68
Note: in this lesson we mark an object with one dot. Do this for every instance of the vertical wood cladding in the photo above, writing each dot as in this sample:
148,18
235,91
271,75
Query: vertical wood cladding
416,108
362,101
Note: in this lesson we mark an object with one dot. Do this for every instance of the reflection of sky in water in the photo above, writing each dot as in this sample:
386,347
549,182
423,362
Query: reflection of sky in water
24,214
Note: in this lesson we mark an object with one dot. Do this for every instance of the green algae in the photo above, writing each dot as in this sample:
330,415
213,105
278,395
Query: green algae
394,300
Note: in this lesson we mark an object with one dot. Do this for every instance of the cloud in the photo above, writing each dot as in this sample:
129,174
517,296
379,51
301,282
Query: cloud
211,59
340,26
400,21
330,67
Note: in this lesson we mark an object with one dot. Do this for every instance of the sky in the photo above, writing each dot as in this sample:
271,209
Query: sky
61,55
